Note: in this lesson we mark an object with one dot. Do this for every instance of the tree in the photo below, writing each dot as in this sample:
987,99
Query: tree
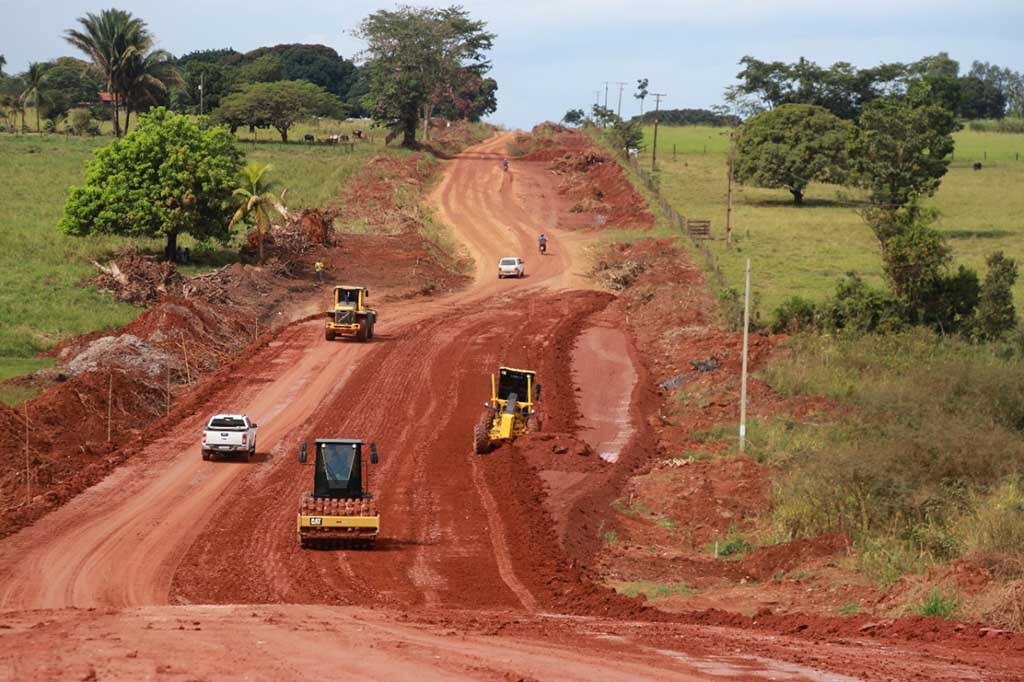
110,39
414,53
167,177
792,146
34,84
264,69
3,63
255,200
996,315
470,97
626,135
278,105
900,150
574,117
641,92
980,99
145,78
69,83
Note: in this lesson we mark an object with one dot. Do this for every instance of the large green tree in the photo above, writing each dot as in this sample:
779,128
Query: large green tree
278,105
792,146
111,39
901,150
415,54
165,178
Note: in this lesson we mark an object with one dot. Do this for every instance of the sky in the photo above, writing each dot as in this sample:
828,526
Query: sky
554,55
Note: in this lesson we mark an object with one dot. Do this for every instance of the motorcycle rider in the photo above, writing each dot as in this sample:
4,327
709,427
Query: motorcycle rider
542,243
504,164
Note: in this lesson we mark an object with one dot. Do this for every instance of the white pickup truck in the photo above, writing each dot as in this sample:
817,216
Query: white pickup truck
229,434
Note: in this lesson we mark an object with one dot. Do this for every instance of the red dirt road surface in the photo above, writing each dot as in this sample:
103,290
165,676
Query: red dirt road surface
176,568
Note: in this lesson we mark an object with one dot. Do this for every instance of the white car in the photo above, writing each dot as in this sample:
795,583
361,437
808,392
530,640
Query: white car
229,434
511,267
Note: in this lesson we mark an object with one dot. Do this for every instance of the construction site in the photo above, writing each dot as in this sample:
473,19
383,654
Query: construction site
437,456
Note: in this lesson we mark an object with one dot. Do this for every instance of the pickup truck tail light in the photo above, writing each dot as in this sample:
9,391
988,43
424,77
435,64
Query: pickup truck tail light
245,438
204,436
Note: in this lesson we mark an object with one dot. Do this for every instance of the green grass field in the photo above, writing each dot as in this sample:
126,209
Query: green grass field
804,250
41,298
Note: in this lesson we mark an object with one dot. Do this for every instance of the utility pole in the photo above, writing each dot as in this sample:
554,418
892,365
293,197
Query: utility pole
597,97
202,81
606,83
743,379
654,150
618,111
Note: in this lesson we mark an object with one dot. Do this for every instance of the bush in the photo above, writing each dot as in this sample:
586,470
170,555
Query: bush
794,315
80,122
1003,125
49,126
996,315
859,308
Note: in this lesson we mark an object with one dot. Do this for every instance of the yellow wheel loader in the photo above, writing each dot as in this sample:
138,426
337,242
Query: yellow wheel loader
350,318
338,510
511,410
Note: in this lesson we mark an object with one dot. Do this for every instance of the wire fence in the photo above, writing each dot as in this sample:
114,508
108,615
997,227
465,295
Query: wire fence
678,220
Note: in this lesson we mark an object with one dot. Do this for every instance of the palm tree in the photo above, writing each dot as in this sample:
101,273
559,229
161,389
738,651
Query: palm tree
33,92
110,39
145,79
255,199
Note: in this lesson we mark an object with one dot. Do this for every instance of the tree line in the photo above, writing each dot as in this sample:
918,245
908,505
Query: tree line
984,91
430,61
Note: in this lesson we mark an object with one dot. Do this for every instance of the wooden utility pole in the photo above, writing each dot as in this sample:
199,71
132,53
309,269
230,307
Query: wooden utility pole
743,378
728,193
654,150
618,111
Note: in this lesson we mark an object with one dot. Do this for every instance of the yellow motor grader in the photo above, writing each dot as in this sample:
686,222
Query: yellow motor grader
339,509
511,411
350,318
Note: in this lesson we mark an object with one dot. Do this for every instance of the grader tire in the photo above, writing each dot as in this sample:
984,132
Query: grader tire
481,435
329,335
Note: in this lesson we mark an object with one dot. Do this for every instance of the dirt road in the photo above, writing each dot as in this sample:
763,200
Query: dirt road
191,569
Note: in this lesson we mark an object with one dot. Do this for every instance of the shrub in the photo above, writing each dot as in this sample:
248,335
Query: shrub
794,315
80,122
859,308
49,126
996,315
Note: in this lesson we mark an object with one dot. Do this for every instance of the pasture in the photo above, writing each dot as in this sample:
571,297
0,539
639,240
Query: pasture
42,300
802,251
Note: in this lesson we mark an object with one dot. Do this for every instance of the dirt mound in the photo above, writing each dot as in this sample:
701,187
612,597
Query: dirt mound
384,193
588,176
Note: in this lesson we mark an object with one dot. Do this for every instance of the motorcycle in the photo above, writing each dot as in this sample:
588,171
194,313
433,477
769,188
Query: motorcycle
504,165
543,246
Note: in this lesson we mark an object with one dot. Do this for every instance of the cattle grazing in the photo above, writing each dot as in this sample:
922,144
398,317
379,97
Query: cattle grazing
344,138
309,138
358,134
332,139
977,165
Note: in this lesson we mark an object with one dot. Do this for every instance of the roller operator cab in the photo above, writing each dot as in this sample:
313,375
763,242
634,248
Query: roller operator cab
349,317
511,411
339,508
